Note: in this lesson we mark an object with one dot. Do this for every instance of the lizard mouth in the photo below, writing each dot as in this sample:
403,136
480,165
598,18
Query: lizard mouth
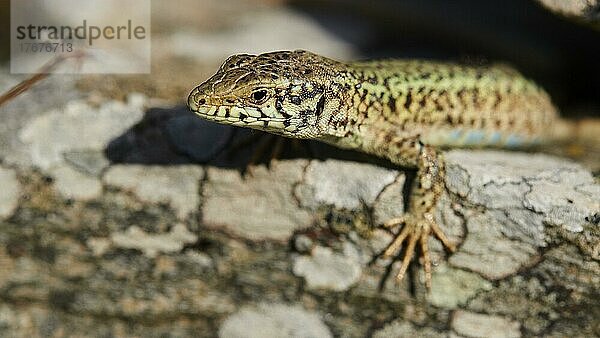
243,117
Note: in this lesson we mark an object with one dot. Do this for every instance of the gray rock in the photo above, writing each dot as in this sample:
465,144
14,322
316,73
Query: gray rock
567,201
343,184
453,287
522,194
303,243
585,10
273,320
390,202
152,244
51,93
534,182
401,329
201,259
472,324
489,167
71,183
259,206
525,298
91,162
98,245
379,240
489,252
78,126
11,191
325,269
178,186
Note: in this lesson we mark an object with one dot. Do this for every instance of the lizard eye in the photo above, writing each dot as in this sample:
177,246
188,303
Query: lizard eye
259,96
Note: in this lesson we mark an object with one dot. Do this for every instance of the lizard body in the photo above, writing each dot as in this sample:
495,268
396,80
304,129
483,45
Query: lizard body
401,110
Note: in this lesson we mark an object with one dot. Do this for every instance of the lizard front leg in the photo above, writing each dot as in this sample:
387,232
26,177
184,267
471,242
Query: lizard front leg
419,222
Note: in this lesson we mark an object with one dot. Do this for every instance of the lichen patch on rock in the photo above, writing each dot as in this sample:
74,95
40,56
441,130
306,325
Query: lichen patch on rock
152,244
273,320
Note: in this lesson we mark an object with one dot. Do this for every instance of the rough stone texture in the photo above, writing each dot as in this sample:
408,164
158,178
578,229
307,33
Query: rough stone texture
118,259
343,184
52,93
11,191
258,206
91,162
586,10
274,320
78,126
390,202
325,269
179,186
499,256
73,184
399,328
151,245
515,181
523,196
472,324
452,287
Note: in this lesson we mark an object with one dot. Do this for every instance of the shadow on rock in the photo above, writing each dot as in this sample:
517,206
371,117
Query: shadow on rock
171,136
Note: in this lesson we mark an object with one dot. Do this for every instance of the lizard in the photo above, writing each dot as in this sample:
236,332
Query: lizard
406,111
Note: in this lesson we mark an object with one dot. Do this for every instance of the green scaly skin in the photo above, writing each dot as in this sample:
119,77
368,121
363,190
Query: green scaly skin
401,110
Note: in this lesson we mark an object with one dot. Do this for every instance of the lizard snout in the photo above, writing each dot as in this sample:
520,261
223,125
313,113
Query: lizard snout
196,99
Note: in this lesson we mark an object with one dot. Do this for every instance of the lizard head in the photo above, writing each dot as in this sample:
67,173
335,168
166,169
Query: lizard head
279,92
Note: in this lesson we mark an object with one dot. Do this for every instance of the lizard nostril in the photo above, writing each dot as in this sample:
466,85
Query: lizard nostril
202,101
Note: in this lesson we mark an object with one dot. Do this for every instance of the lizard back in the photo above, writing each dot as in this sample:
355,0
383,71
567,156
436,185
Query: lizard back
452,105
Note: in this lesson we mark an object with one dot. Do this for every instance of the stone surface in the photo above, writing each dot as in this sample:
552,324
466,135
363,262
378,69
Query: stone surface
178,186
85,259
566,202
152,244
489,252
273,320
586,10
325,269
257,206
452,287
91,162
52,93
534,182
472,324
78,126
399,328
11,191
523,195
343,184
71,183
390,202
303,244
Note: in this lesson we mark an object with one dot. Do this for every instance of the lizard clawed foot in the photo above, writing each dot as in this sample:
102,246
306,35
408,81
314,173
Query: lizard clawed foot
415,228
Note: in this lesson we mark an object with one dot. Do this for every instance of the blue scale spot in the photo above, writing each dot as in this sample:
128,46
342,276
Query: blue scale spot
513,140
454,135
474,137
495,137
